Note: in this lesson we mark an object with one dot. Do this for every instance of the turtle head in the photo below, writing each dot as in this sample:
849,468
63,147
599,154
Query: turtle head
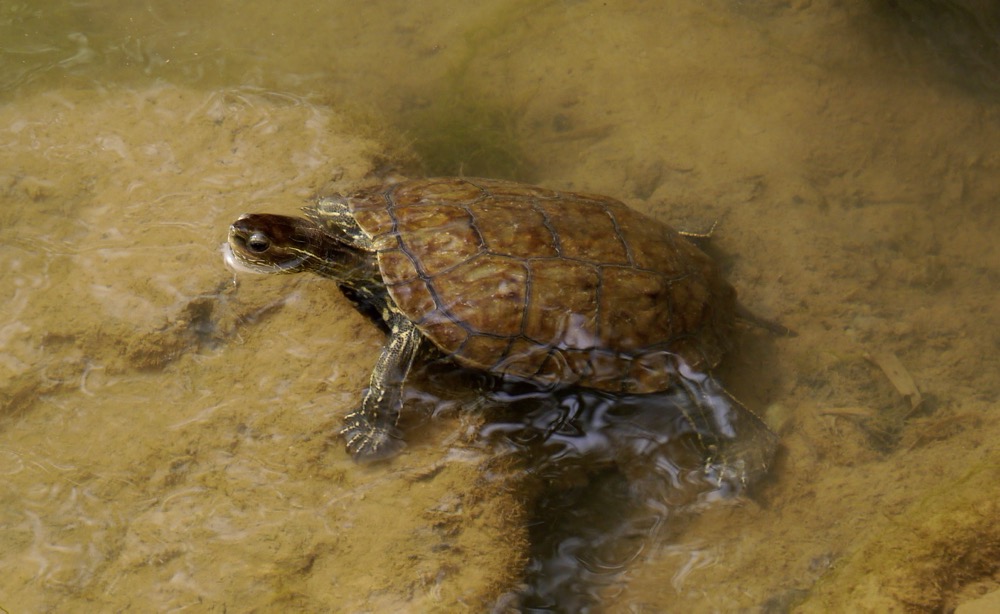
268,243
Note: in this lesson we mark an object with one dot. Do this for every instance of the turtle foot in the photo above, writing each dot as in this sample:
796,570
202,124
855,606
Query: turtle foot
370,442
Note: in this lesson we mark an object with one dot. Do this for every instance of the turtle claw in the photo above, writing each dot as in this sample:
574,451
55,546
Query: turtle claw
368,442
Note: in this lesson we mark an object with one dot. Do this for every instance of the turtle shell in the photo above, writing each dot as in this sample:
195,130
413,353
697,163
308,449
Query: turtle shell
555,287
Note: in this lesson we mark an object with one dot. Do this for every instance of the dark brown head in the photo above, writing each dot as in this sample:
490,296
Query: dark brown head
267,243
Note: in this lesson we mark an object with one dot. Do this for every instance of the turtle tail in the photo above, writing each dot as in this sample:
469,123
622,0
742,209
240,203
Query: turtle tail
745,315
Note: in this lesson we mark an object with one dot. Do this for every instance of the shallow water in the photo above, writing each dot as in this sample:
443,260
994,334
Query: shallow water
165,432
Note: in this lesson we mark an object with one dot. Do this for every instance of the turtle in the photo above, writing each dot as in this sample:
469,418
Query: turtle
555,288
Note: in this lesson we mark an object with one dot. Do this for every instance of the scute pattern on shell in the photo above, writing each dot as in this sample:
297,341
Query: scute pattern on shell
556,287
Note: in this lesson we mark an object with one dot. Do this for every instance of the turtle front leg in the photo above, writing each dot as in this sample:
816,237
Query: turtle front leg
370,430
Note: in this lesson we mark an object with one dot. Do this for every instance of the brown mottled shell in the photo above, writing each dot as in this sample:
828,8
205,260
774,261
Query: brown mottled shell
556,287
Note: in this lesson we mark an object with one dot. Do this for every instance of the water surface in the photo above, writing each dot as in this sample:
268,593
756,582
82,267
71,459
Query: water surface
165,433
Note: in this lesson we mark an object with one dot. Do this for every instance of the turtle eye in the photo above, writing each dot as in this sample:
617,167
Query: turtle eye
258,242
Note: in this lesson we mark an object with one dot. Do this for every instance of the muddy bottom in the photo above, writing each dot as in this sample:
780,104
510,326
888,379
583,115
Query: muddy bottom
167,435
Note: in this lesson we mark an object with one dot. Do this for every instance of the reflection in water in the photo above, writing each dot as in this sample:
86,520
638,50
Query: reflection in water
963,37
611,471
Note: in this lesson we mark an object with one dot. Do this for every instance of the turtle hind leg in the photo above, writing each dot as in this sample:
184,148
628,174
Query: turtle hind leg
370,431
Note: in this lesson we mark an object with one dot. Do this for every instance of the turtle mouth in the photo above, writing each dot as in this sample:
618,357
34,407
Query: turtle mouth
240,264
237,264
